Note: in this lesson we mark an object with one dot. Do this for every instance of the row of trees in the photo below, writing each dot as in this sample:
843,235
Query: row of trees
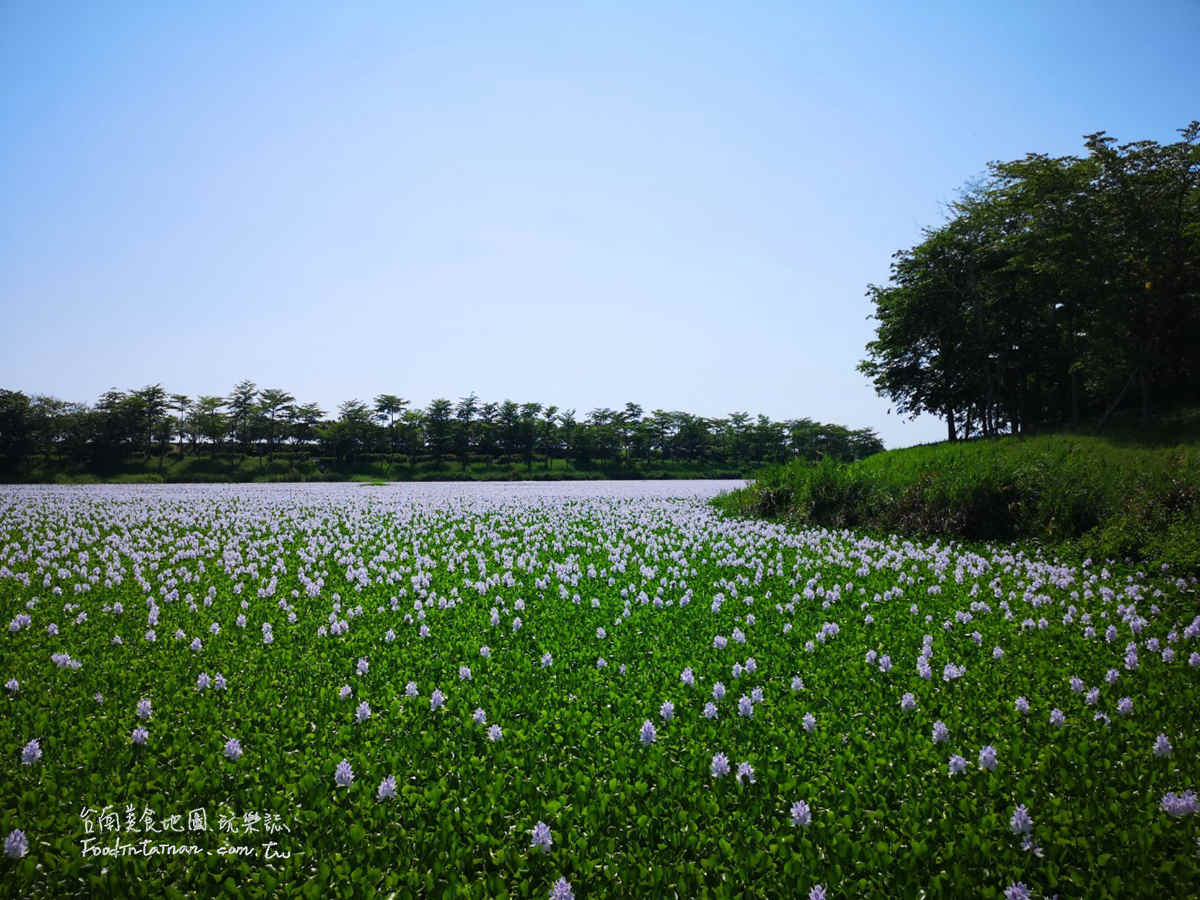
1060,290
268,422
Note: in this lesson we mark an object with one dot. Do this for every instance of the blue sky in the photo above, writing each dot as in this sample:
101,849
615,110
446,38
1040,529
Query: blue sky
579,204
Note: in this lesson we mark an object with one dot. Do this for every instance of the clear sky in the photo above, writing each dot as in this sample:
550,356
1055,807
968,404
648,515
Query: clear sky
572,203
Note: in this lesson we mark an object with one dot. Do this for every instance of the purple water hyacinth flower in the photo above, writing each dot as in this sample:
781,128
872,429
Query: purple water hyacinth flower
1076,685
410,689
541,836
494,733
745,707
908,701
719,642
987,758
1179,805
12,685
1021,822
817,892
363,712
362,667
423,631
16,844
386,789
1111,676
140,735
1125,706
737,671
479,716
31,752
485,651
436,700
143,709
710,710
718,691
1016,891
810,723
233,749
1021,705
196,645
1194,660
756,695
885,663
745,770
219,682
345,691
390,636
750,665
601,634
1057,717
667,710
1092,697
547,660
871,657
516,625
1162,746
343,775
940,732
801,814
179,634
99,698
797,683
997,653
957,764
687,677
601,662
561,890
464,672
809,646
203,682
648,735
720,765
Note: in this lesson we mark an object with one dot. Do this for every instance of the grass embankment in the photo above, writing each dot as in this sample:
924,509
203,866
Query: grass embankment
229,467
1106,497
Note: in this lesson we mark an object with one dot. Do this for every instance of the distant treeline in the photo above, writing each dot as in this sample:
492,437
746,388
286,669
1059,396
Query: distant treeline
45,434
1062,289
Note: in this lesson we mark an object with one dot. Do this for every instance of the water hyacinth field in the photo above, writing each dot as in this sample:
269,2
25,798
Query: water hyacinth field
577,690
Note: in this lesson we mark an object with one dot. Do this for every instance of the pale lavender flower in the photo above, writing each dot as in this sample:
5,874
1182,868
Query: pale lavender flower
219,682
343,774
363,712
817,892
1194,660
16,844
410,689
1111,676
31,752
541,836
464,672
233,749
687,677
737,670
140,734
561,890
745,706
1125,706
196,645
12,685
1178,805
423,631
987,758
719,642
797,683
871,657
1021,822
479,716
801,814
908,701
390,635
940,732
757,695
1057,717
710,710
720,765
751,665
885,663
667,710
436,699
516,626
745,770
1016,891
485,651
362,667
203,682
1091,697
649,735
1021,705
143,709
345,692
386,789
601,662
494,733
957,764
1162,746
99,698
547,660
810,723
601,634
718,691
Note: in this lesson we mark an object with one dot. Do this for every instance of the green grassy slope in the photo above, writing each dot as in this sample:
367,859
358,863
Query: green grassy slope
1105,496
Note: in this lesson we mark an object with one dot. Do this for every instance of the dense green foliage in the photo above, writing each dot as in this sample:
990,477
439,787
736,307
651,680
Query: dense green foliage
1060,290
266,434
1105,497
632,599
